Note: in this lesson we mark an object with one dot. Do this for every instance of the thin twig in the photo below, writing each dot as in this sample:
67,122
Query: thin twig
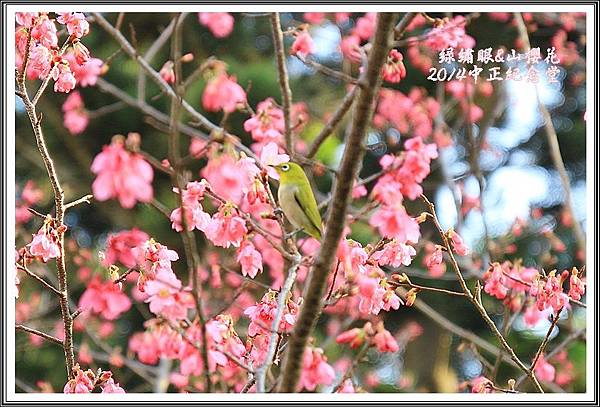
41,334
333,122
39,279
84,199
282,299
284,81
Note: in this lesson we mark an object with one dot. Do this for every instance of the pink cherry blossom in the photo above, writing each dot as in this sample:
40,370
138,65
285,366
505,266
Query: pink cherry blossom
365,26
314,18
219,24
153,257
26,19
393,70
385,342
111,387
120,247
223,93
225,176
226,228
76,23
166,297
45,243
544,370
85,74
449,34
267,123
75,118
303,45
576,286
550,294
123,175
44,31
495,282
63,77
315,369
458,244
355,337
83,382
394,222
40,62
167,72
395,254
250,259
104,298
81,53
350,48
263,313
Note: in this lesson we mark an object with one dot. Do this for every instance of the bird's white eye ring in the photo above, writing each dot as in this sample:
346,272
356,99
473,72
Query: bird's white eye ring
285,167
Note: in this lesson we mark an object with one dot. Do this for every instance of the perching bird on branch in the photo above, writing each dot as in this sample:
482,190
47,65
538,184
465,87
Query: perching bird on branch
297,200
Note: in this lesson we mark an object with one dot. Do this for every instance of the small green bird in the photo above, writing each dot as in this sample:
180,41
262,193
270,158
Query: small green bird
297,200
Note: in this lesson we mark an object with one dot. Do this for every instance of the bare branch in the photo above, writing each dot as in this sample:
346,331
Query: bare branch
39,279
284,81
41,334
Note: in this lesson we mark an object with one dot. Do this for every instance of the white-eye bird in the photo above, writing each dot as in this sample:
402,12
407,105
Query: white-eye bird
297,200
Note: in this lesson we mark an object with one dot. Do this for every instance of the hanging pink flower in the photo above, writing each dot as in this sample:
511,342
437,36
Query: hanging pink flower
86,74
267,123
223,93
350,48
83,382
226,228
449,34
263,313
458,244
44,31
63,77
394,222
76,23
166,297
26,19
394,70
120,247
544,370
315,369
40,62
45,243
104,298
167,72
250,259
111,387
395,254
81,53
75,118
385,342
303,45
576,285
219,24
355,337
123,175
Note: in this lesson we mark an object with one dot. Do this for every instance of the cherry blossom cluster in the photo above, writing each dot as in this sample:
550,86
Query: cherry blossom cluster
37,36
526,288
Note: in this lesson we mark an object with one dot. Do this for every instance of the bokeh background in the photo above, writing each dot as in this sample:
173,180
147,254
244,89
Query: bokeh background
520,180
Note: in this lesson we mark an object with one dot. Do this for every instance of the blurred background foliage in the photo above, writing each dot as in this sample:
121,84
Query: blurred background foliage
431,363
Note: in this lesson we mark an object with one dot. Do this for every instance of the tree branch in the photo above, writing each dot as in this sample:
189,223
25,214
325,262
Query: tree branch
284,81
352,158
41,334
